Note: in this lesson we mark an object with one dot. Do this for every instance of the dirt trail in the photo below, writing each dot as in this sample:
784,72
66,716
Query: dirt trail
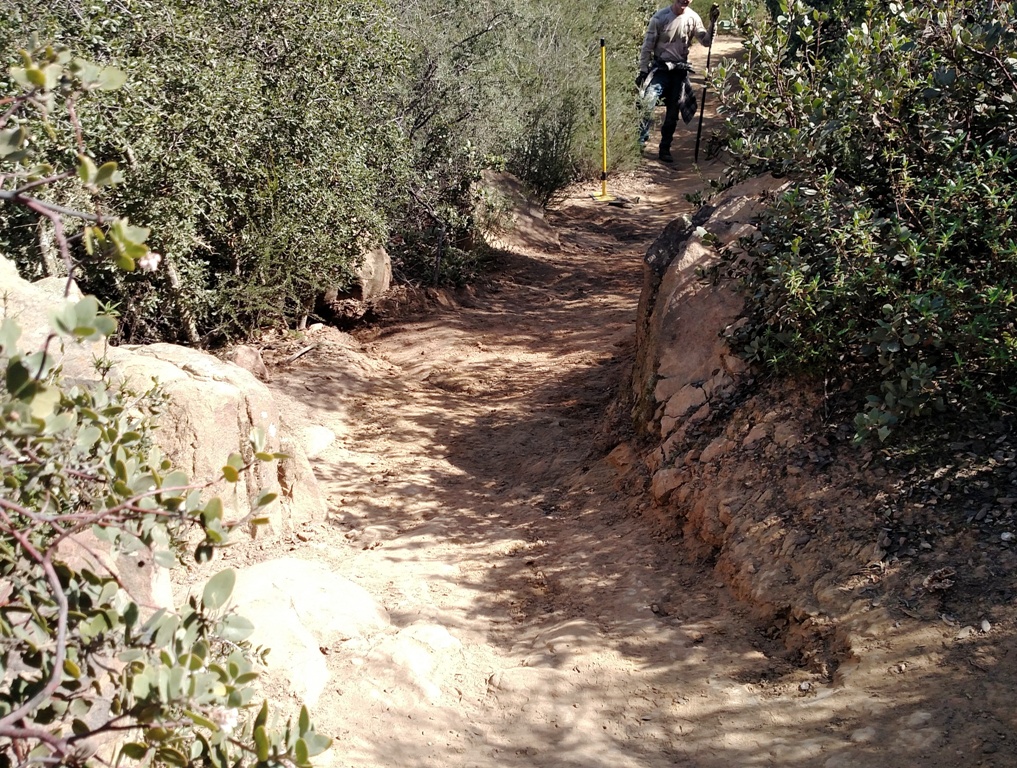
469,494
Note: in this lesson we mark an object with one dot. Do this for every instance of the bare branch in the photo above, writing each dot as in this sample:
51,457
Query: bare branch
15,732
22,190
14,197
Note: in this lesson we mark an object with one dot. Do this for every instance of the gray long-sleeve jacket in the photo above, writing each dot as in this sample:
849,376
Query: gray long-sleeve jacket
668,37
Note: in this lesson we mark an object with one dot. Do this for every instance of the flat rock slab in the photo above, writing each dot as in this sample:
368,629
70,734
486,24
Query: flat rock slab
300,609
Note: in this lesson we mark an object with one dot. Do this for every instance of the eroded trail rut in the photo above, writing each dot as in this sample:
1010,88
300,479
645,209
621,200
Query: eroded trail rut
536,619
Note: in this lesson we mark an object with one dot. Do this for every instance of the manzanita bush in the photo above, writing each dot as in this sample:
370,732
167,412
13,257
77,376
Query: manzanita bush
89,676
890,259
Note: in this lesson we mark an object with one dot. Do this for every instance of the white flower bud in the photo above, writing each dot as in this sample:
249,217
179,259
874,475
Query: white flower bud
149,262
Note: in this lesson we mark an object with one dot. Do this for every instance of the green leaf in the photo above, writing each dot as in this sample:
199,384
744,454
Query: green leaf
316,743
230,474
175,479
44,402
304,721
201,720
131,614
18,377
87,437
218,589
63,319
36,77
167,629
109,591
165,558
300,752
237,628
85,311
172,756
20,76
262,717
86,169
71,669
264,499
12,140
212,511
85,71
111,79
258,439
261,743
108,175
52,74
134,751
9,334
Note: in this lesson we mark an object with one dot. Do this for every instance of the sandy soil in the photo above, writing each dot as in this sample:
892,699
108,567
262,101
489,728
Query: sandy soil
470,494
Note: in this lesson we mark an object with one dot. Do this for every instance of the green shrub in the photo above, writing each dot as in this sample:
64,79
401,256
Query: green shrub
892,258
260,134
273,140
81,660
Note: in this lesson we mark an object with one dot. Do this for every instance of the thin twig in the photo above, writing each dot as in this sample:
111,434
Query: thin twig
14,197
43,182
299,354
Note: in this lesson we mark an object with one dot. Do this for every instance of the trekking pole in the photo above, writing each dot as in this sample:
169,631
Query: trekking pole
702,104
604,196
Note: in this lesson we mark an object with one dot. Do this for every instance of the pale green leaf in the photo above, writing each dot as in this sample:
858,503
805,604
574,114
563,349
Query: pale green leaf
218,589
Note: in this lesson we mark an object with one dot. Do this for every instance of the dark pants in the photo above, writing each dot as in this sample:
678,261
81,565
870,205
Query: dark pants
667,85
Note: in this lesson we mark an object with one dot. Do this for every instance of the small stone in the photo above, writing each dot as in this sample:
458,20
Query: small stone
918,719
863,735
986,626
805,687
989,747
1006,536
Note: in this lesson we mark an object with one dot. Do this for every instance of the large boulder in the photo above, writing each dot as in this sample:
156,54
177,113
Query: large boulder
302,610
373,278
213,406
514,219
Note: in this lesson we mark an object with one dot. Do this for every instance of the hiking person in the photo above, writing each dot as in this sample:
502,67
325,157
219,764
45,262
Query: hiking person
664,68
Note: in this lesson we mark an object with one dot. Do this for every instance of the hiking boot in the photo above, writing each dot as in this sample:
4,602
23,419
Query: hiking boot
665,156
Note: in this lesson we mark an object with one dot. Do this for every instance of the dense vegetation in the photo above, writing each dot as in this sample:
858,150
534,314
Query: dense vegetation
89,675
268,143
890,260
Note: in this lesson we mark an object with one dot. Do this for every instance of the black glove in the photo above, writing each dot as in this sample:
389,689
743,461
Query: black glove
714,13
640,78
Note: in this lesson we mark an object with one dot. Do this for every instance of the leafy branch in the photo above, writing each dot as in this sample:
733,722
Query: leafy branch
80,657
